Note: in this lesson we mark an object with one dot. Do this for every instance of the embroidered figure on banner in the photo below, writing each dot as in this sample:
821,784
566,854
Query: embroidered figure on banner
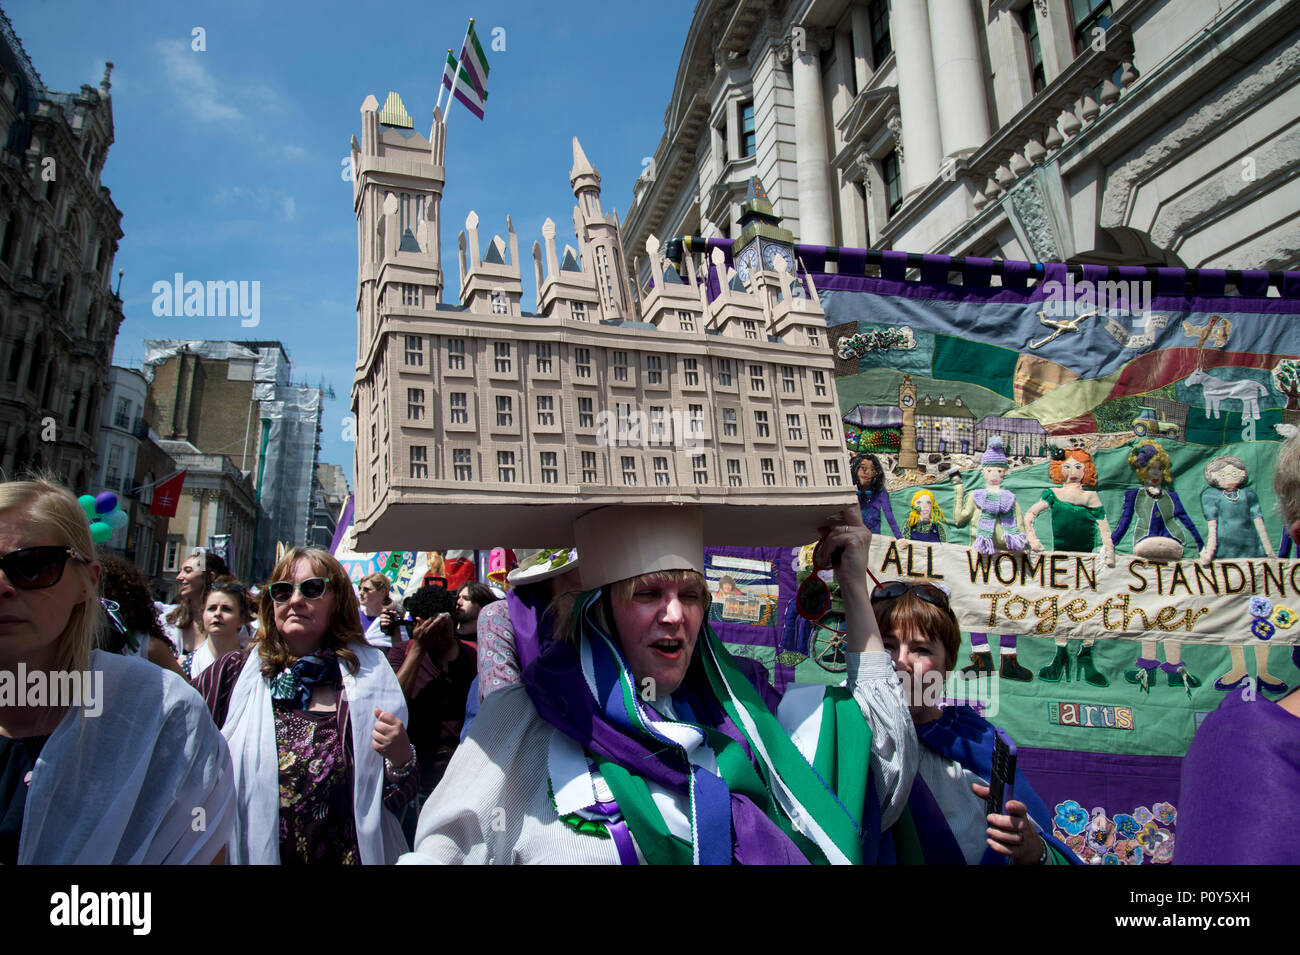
1061,325
873,499
996,525
1126,339
925,521
1213,333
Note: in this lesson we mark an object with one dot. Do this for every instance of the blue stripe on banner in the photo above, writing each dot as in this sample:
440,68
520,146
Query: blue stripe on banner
712,818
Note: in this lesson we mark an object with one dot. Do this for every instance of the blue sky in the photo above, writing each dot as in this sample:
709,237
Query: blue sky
227,162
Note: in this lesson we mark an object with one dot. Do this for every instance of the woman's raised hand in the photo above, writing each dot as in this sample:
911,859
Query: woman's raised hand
390,740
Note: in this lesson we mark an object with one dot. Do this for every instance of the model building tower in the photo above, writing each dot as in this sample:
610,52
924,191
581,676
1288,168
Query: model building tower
471,416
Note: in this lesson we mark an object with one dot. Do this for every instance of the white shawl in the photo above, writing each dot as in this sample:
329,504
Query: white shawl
250,730
146,781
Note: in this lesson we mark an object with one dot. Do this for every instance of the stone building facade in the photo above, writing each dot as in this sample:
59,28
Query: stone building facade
594,398
59,232
1117,132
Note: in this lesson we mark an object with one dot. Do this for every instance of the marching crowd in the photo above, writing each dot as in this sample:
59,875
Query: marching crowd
590,716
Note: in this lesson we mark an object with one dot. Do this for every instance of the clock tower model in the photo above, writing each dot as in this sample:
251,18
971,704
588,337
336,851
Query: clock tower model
907,446
761,240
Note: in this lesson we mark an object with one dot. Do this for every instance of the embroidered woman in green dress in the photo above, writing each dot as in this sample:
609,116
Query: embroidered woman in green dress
1077,519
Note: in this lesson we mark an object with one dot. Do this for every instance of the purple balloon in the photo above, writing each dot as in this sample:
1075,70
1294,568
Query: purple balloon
105,502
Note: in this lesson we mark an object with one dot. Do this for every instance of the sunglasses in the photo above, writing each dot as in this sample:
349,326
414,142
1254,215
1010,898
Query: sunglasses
35,568
813,599
927,592
313,588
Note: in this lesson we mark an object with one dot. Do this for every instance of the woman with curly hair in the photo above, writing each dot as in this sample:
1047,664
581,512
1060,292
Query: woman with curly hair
134,628
873,499
926,520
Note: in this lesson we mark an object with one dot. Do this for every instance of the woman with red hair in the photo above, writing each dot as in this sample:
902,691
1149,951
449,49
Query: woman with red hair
1077,518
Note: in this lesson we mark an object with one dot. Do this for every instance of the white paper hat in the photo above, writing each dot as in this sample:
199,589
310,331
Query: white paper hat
626,541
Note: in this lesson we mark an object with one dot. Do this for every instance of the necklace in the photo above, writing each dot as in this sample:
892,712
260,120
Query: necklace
1232,495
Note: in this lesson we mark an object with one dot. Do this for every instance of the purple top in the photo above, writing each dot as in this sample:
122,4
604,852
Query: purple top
873,506
1239,802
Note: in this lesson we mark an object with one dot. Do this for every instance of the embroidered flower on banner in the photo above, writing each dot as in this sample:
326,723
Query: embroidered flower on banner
1165,812
1164,852
1283,618
1143,815
1110,859
1126,826
1071,817
1260,607
1263,629
1150,836
1089,856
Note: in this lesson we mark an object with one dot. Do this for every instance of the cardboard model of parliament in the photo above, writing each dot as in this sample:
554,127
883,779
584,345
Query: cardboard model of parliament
472,416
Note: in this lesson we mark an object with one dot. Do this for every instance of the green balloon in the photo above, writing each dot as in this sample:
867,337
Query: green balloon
87,502
100,532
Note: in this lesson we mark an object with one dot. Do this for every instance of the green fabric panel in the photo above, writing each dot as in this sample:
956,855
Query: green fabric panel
960,359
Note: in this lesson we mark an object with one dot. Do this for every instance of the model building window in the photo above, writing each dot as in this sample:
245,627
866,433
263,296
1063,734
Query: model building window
761,429
459,407
751,329
550,467
620,366
700,466
623,412
814,338
582,362
629,470
687,321
589,473
544,358
697,419
501,357
757,379
462,464
505,411
801,474
411,295
506,467
586,417
374,438
415,404
729,422
819,384
545,410
833,473
656,424
734,478
724,372
827,426
455,354
661,472
787,380
691,368
769,472
419,461
794,427
414,351
579,311
654,367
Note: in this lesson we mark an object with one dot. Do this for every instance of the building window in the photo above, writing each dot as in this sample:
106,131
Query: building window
687,321
173,553
501,357
724,372
893,181
814,338
1029,24
579,311
819,384
794,427
586,417
415,404
411,295
505,411
629,470
462,464
878,14
506,467
544,358
459,407
1089,15
500,302
414,351
589,473
697,419
751,329
582,361
122,418
833,472
827,426
455,354
656,424
801,474
700,468
761,429
113,477
757,378
550,467
787,380
734,478
769,472
623,413
747,141
691,368
654,368
620,366
419,461
729,429
545,411
661,472
374,438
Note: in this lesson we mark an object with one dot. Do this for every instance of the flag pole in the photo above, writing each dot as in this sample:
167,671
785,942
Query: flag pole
442,86
455,74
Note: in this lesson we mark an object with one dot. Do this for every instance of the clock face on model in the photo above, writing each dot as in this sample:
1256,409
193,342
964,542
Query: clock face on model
770,252
747,262
908,401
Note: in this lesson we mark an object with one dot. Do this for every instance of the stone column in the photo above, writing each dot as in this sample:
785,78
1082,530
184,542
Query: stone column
959,75
917,100
812,163
861,29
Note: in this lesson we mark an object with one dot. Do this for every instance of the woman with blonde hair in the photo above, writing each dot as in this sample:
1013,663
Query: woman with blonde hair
315,721
378,612
926,519
126,785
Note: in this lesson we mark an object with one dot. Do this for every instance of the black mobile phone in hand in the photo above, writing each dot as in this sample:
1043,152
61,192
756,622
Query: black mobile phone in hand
1002,777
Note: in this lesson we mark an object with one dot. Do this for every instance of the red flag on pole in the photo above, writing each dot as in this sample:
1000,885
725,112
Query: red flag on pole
167,495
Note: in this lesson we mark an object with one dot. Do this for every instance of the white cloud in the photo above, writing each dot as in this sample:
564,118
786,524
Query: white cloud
199,90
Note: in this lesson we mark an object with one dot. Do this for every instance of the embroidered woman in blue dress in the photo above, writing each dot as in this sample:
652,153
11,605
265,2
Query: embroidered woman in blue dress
873,499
